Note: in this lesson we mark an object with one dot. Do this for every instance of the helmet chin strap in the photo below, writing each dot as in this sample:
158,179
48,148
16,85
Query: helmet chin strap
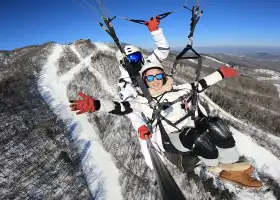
164,78
138,66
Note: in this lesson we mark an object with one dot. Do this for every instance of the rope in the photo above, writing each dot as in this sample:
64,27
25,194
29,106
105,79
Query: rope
97,7
102,7
89,5
80,4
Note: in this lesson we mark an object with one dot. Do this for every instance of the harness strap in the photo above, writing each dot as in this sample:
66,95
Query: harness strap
182,119
166,105
124,81
168,122
166,143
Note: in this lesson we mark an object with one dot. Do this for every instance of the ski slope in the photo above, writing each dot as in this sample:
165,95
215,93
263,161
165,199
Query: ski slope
101,173
215,60
99,169
275,77
264,160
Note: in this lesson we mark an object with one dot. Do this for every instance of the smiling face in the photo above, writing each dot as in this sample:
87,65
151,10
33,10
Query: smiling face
155,84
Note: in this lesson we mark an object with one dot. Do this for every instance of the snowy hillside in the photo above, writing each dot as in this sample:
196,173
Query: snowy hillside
37,159
250,62
97,156
107,144
264,71
272,76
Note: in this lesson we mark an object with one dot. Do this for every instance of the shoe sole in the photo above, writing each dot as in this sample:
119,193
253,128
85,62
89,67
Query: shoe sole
250,170
240,184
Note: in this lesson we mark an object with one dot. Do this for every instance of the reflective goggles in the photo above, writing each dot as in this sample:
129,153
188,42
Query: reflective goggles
135,57
150,78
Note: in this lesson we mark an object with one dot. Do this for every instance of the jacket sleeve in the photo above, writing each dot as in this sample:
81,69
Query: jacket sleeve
136,120
117,108
205,82
162,50
126,91
124,75
122,108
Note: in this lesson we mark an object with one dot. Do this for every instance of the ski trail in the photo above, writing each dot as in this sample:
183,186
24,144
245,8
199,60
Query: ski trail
72,47
215,60
102,81
99,76
196,62
101,174
104,47
68,76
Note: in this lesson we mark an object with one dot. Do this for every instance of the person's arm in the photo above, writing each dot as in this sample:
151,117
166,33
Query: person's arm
124,76
89,104
163,48
204,83
159,54
126,91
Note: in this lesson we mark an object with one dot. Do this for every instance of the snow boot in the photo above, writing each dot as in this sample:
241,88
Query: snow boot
244,166
250,170
241,178
241,166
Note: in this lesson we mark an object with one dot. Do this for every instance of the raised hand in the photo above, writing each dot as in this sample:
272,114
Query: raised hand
142,131
228,72
153,23
84,105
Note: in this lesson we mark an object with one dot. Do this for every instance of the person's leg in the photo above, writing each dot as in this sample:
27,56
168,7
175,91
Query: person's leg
185,162
215,145
201,145
229,169
222,137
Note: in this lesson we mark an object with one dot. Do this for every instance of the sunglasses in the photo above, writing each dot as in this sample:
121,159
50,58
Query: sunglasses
150,78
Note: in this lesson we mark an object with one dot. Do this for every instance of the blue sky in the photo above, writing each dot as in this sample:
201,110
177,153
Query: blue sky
225,22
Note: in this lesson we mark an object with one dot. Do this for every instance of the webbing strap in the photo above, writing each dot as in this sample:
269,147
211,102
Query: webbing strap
133,73
160,16
166,143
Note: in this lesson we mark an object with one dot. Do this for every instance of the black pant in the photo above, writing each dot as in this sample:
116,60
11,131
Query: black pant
209,133
185,162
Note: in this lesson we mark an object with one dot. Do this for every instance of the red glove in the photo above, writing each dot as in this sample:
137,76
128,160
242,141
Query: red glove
153,24
82,106
142,131
228,72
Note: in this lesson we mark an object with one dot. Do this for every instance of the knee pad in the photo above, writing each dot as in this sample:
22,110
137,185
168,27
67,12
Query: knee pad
188,137
219,133
204,147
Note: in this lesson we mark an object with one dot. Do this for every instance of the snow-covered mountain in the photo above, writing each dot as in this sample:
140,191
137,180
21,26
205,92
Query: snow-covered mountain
108,149
266,56
253,61
37,158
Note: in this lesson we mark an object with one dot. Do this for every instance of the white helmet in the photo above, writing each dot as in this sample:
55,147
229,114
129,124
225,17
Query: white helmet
149,65
128,49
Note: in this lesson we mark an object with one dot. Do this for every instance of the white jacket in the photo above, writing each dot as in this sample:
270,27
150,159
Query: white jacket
175,112
126,89
158,55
